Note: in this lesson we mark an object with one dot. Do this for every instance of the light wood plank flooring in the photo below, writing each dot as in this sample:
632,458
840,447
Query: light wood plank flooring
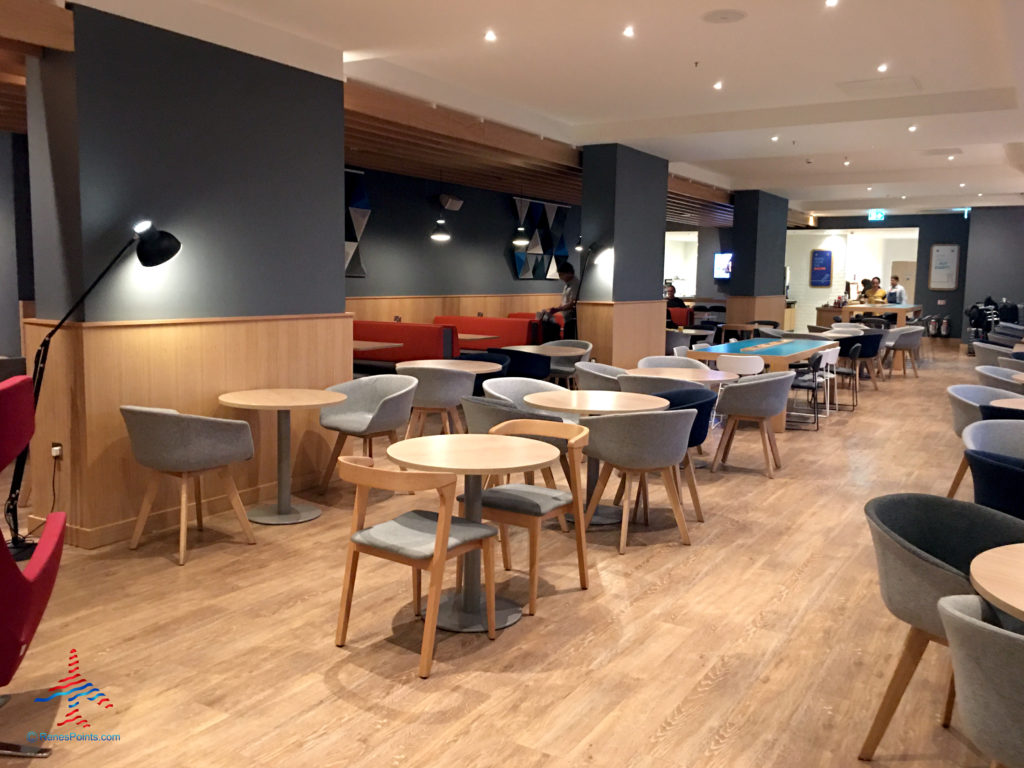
764,644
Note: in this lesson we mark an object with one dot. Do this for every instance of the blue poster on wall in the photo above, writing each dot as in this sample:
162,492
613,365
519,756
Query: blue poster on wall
821,269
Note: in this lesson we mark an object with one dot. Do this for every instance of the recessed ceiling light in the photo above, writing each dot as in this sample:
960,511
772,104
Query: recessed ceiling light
775,138
962,185
903,197
489,36
831,3
980,194
911,128
883,67
628,31
950,157
846,162
717,86
870,188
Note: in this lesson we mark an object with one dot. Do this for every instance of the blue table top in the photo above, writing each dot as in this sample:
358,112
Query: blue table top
787,347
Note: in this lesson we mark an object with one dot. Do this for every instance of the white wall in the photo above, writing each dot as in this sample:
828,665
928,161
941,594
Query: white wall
681,265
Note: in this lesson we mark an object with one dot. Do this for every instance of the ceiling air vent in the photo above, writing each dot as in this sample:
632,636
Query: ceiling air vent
880,87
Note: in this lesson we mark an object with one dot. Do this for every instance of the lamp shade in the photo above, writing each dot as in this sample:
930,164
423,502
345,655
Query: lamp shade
156,246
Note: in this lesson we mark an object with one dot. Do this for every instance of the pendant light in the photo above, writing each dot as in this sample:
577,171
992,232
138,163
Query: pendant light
520,239
440,233
579,244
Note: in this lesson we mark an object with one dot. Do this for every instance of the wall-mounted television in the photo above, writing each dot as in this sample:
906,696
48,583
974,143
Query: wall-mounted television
723,266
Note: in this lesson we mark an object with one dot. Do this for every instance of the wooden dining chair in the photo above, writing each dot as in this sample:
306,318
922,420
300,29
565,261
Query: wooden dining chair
423,540
528,506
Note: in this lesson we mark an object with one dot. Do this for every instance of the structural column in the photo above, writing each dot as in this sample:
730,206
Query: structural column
621,309
757,289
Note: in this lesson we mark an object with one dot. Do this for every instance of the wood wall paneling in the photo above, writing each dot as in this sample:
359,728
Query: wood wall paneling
623,331
96,367
423,309
743,309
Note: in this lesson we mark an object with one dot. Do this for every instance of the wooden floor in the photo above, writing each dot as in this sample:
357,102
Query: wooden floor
764,644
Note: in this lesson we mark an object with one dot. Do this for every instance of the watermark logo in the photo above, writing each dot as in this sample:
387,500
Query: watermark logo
78,690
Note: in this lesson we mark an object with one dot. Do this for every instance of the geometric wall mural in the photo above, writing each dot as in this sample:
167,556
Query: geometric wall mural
357,213
544,225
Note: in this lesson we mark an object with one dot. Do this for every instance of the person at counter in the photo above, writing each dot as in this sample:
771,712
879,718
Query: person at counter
897,293
875,294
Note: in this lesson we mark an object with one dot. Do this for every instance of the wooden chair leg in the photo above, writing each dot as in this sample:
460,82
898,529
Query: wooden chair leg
626,498
332,463
414,424
595,500
646,498
913,364
528,477
957,478
691,481
147,505
549,481
700,449
676,502
581,555
183,520
417,592
617,499
947,712
351,564
236,504
446,424
769,462
393,436
430,622
913,648
775,447
488,547
197,491
534,533
874,378
732,438
730,425
506,552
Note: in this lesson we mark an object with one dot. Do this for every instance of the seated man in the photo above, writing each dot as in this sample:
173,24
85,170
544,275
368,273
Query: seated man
570,291
670,295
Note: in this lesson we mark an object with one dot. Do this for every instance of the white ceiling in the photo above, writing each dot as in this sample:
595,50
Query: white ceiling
791,68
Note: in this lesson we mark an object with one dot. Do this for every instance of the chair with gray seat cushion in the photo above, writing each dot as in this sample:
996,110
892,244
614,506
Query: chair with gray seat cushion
564,368
186,446
966,400
598,376
1002,378
987,354
635,444
373,406
652,385
1011,363
438,390
665,361
419,538
988,664
924,546
758,399
528,506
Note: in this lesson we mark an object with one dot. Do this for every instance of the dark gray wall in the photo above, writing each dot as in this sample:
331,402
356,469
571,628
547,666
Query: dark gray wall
996,266
932,229
23,217
759,244
10,333
401,259
624,207
711,240
240,157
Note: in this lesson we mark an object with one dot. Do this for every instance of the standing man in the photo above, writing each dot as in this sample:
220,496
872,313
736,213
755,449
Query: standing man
570,291
897,293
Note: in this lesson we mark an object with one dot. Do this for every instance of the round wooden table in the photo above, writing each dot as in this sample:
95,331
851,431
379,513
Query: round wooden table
1019,377
1016,403
472,366
284,401
998,575
553,351
594,402
473,456
686,374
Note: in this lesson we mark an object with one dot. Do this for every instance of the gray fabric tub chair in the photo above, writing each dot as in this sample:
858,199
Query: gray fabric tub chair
439,390
964,400
598,376
1001,378
755,398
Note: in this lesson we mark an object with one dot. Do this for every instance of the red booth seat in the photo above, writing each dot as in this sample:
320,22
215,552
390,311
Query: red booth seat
681,316
509,330
557,317
420,341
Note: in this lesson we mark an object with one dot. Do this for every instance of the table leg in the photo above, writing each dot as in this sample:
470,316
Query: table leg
465,611
284,512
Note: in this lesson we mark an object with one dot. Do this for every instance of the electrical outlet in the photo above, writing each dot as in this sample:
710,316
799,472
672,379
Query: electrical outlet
942,302
57,450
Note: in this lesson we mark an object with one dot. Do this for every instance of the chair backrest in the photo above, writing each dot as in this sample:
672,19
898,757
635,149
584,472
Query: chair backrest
598,376
758,396
772,323
988,665
993,412
168,441
871,343
1001,436
818,328
653,385
965,400
998,481
847,331
771,333
680,351
701,399
666,361
858,325
1012,363
525,364
847,345
1002,378
512,389
439,387
648,440
876,322
483,413
487,357
909,337
25,593
924,546
700,345
388,396
744,365
586,346
829,357
988,354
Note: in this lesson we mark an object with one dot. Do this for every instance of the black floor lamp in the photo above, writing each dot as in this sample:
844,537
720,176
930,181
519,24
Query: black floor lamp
153,247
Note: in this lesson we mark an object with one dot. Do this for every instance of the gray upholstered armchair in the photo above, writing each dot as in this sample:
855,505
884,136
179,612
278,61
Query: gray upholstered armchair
757,399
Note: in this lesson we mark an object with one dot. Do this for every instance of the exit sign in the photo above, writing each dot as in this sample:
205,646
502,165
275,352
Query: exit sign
876,214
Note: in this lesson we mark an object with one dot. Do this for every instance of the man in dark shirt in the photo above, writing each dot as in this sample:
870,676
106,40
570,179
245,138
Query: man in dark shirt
670,294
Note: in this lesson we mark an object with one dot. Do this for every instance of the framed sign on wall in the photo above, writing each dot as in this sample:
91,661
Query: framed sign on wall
943,267
821,269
